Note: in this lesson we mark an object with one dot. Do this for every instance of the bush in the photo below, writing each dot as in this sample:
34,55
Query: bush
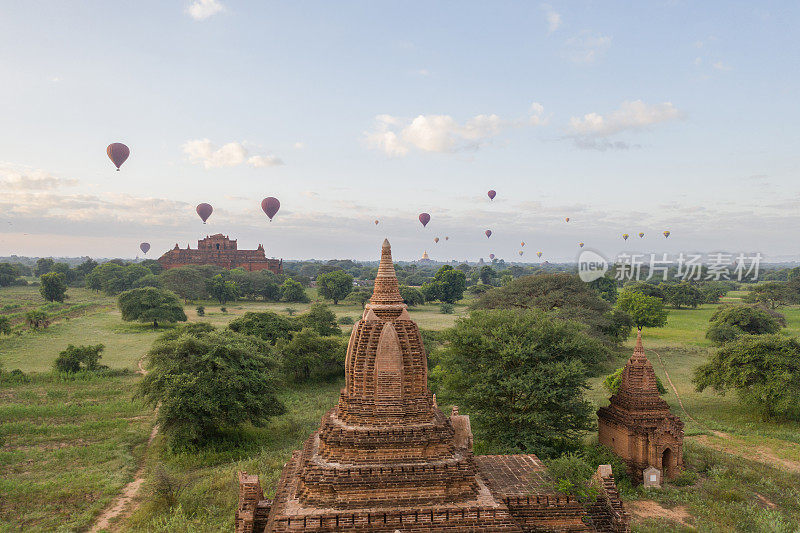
321,319
763,369
5,325
496,358
412,297
150,304
223,309
292,291
201,310
77,358
205,381
346,320
572,475
309,356
53,287
731,321
266,325
447,309
335,285
685,479
37,319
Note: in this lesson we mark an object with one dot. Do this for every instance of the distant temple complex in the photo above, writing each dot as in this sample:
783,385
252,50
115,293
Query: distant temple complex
387,459
638,424
221,251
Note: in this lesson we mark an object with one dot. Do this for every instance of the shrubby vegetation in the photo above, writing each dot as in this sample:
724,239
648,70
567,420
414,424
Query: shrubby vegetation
764,370
151,305
563,296
205,381
520,374
53,287
731,321
77,358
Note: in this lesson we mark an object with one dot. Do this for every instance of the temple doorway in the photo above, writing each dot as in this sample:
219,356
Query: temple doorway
667,464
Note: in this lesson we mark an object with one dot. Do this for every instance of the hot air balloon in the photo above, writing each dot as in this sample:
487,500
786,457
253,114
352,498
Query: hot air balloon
488,233
538,254
145,247
270,206
376,222
567,219
521,252
447,238
625,236
641,234
118,153
666,234
424,218
491,194
204,210
436,240
491,256
580,244
522,243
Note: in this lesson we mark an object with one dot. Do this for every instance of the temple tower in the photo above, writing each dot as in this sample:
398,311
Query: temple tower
638,424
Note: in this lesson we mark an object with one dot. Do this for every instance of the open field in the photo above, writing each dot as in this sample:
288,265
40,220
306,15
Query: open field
748,469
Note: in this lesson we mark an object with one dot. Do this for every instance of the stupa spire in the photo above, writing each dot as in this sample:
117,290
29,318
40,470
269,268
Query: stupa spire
639,378
386,291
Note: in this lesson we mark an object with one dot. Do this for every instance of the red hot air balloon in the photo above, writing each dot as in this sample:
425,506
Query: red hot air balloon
118,153
270,205
488,233
376,222
447,238
204,210
424,218
145,247
491,256
491,194
567,219
436,240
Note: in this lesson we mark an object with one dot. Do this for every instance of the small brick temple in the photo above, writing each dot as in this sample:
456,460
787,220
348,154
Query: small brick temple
387,459
638,424
220,250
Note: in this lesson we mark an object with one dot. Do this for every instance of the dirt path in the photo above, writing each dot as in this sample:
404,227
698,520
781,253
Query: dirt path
730,444
649,509
123,505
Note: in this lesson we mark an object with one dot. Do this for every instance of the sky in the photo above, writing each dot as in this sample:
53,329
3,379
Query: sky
625,117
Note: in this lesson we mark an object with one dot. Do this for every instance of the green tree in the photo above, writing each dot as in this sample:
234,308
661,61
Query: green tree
487,275
359,296
205,381
335,285
731,321
37,319
772,294
43,266
53,287
8,274
448,285
311,356
763,369
266,325
77,358
186,282
150,280
606,288
320,319
521,376
648,289
292,291
412,297
564,296
5,325
645,311
221,289
149,304
683,294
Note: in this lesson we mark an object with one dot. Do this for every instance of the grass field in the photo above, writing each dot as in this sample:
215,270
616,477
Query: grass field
748,469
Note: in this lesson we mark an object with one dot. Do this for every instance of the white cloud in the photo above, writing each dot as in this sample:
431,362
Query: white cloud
719,65
587,47
553,18
424,72
299,145
228,155
205,152
260,161
13,178
537,112
591,130
202,9
396,136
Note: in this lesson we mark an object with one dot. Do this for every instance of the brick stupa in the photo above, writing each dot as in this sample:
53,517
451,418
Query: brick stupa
386,458
638,424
